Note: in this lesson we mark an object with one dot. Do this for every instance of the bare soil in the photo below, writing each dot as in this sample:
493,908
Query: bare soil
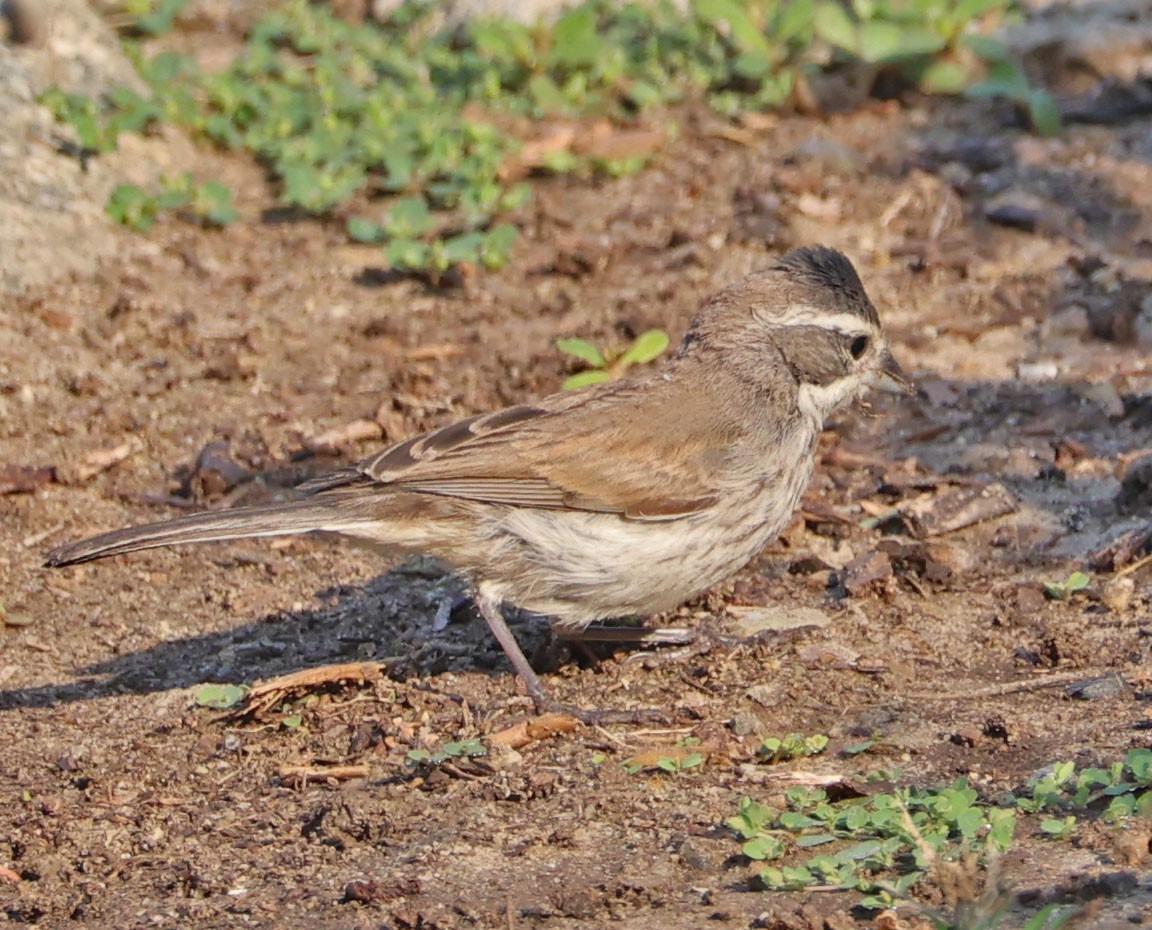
1013,273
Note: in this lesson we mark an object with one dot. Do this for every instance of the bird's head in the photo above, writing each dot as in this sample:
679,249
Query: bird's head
810,315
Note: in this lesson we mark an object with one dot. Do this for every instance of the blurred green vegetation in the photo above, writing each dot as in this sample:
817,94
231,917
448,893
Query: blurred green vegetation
410,131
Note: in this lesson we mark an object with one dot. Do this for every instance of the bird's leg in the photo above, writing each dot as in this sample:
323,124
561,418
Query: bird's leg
490,610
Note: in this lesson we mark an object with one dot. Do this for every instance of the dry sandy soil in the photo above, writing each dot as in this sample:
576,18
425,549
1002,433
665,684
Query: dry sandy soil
1012,273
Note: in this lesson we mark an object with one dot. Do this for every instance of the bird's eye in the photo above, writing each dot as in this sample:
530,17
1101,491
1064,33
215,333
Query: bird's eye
858,347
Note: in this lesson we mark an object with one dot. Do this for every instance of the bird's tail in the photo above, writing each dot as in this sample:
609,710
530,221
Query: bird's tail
285,519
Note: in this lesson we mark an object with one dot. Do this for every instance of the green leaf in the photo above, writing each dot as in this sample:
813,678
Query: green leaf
733,17
363,229
648,346
464,247
292,721
1044,114
220,697
1077,581
764,848
575,42
883,41
496,247
833,24
407,254
584,378
583,350
212,202
943,77
129,206
1139,763
408,218
1058,828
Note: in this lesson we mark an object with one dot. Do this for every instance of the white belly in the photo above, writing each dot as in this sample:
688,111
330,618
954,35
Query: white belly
578,567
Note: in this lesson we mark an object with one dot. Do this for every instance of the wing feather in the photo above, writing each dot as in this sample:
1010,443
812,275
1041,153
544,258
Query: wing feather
557,454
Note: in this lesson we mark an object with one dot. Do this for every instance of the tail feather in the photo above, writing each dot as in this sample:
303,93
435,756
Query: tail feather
274,520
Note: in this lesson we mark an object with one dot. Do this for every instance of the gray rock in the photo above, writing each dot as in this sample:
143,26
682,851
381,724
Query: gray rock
52,220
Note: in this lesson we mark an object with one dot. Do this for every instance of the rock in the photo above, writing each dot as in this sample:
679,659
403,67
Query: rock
752,621
47,196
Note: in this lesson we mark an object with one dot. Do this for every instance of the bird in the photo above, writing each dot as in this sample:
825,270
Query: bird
622,498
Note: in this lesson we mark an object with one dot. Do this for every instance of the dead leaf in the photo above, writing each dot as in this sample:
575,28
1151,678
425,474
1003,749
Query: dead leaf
616,145
863,570
215,473
538,728
752,621
957,508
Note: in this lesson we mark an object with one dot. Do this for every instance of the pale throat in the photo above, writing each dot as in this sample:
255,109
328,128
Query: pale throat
817,401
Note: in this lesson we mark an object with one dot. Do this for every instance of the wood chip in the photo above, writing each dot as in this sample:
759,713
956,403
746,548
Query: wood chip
957,508
103,459
334,440
1124,549
434,352
357,672
266,694
303,774
7,873
538,728
24,479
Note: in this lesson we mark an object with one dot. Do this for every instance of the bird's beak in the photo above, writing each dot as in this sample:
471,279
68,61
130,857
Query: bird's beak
893,373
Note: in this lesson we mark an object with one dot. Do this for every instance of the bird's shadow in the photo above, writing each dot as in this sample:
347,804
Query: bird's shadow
391,617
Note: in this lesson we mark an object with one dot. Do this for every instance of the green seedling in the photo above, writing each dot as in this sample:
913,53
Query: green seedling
1006,79
1059,590
209,203
463,749
604,364
793,746
220,697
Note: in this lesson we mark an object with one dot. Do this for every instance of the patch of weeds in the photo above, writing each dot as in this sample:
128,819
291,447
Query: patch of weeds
220,697
1059,590
793,746
1124,789
209,203
409,111
462,749
885,844
606,364
881,845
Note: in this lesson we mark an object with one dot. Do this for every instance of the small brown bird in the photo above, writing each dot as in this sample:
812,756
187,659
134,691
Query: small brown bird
622,498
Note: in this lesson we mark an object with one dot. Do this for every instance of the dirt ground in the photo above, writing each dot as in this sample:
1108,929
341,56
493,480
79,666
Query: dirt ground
1013,275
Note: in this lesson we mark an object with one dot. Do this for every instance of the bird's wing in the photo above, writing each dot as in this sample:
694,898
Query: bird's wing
598,450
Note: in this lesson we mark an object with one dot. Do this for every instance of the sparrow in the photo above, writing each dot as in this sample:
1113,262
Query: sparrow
622,498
